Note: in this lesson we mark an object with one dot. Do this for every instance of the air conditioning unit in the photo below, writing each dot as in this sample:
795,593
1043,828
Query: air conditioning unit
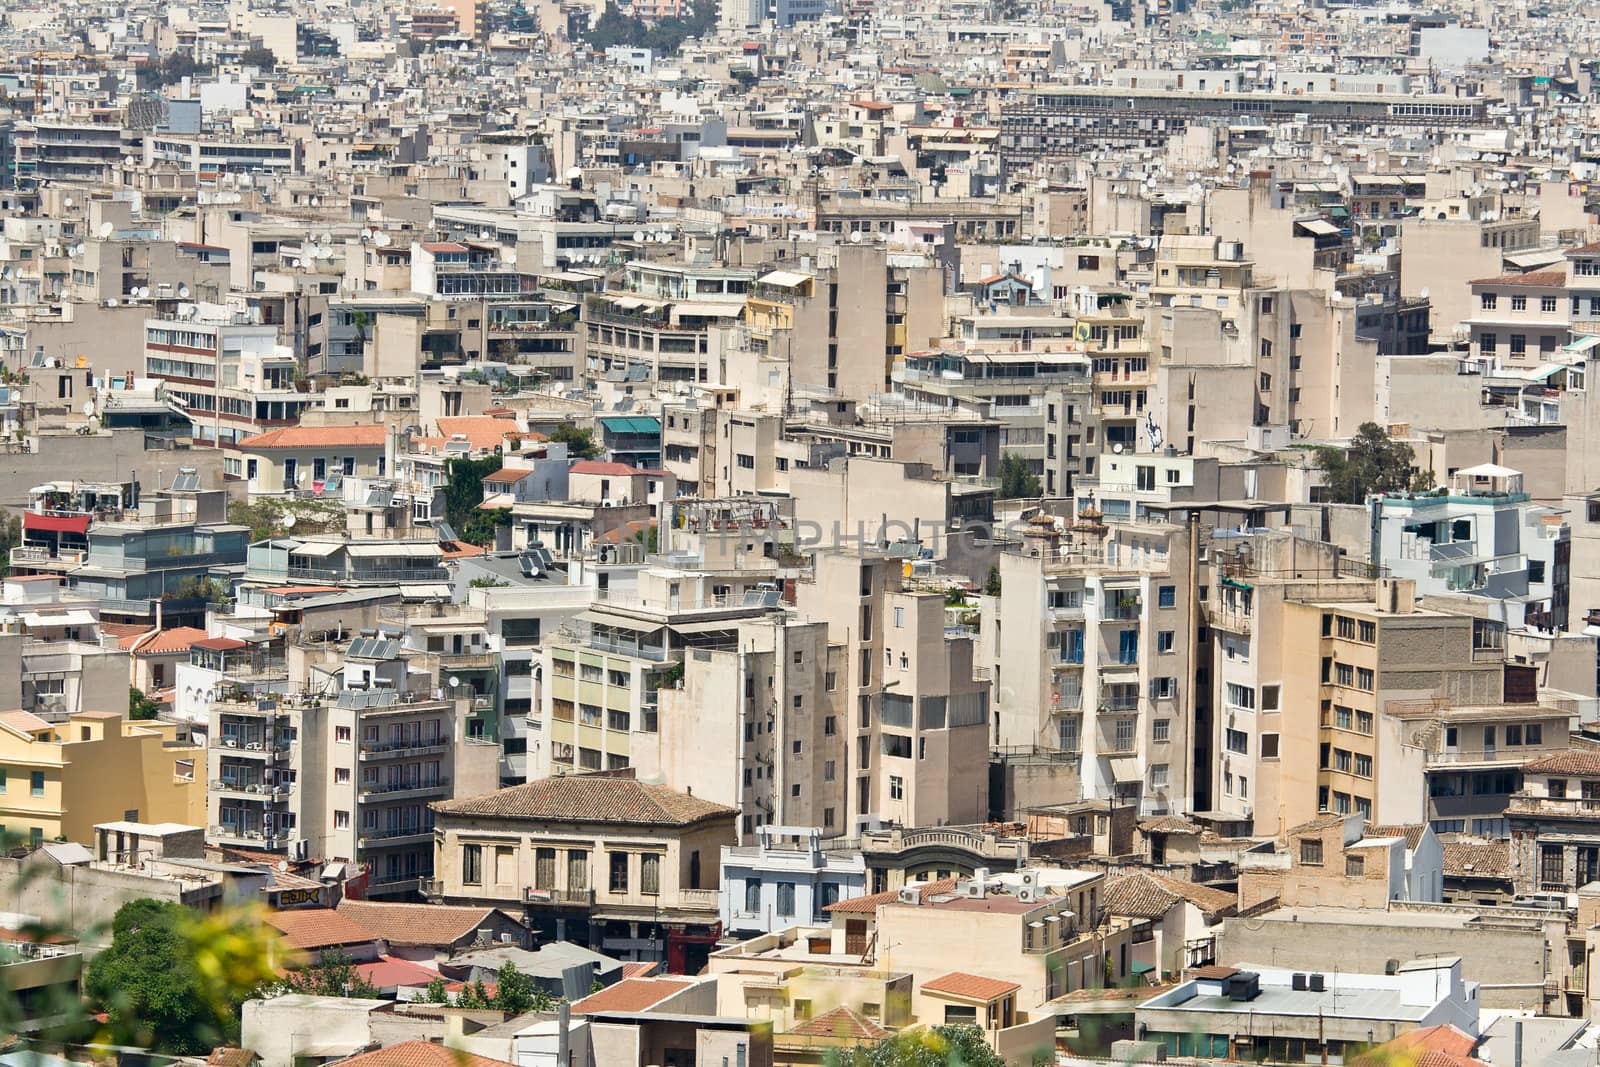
1028,895
1030,879
299,849
910,895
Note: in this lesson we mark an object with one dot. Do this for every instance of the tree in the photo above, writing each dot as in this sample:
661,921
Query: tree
1372,463
10,537
935,1046
434,993
261,58
515,993
334,974
991,584
580,442
1016,478
474,995
174,980
463,492
141,707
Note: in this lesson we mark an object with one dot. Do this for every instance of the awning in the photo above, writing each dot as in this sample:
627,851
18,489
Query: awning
1582,344
78,524
438,591
1125,768
316,549
1319,227
618,622
393,551
707,310
788,279
34,620
705,627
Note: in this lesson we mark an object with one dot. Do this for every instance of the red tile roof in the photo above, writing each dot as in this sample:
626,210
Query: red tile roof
1577,761
442,246
841,1022
485,432
390,972
218,644
590,798
630,994
869,904
418,1054
1549,278
318,437
177,639
970,986
313,928
435,925
638,970
595,466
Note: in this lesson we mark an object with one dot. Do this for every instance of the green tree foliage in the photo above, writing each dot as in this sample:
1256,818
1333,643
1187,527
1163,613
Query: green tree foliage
516,993
991,584
1373,463
580,442
1016,479
334,974
266,517
173,980
663,37
176,66
474,995
434,993
202,588
10,537
141,707
934,1046
260,58
463,492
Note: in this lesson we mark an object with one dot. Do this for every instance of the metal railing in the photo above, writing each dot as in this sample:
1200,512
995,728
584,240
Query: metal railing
581,897
390,788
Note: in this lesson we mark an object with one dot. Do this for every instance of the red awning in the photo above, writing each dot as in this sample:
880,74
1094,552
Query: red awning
78,524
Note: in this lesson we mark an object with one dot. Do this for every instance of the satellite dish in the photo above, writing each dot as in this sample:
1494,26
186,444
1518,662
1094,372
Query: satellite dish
638,237
1423,292
111,303
289,521
366,235
454,681
127,161
381,239
295,264
67,201
855,237
183,292
104,230
1117,448
88,409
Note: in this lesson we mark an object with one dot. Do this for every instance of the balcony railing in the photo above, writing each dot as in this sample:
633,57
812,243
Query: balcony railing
374,750
576,897
467,660
1560,807
396,788
393,835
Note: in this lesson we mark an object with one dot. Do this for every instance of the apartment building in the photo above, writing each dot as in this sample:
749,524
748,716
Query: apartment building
787,877
609,862
1519,320
311,459
912,714
1555,837
227,371
1093,639
57,780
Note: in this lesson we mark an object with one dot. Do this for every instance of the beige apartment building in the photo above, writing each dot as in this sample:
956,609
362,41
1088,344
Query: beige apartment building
913,716
1519,320
1093,646
623,867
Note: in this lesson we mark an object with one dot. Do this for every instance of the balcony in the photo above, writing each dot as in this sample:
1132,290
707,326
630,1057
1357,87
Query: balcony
252,790
698,899
1587,808
1230,619
399,790
373,751
240,835
467,661
580,898
394,836
258,749
1122,611
27,556
432,888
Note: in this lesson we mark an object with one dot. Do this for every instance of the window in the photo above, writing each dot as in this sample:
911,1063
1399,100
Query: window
650,873
544,868
1269,698
1240,696
1269,746
1532,734
1167,596
1158,776
1364,679
1519,303
897,787
1238,741
1355,866
1342,717
1551,871
899,618
1519,344
1547,304
472,864
1363,766
786,899
1488,342
1488,301
1164,641
618,862
341,733
1344,674
1311,851
36,783
1366,631
752,896
1161,730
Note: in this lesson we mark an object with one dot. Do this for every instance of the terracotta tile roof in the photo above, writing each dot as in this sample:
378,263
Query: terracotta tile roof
630,994
1412,832
122,629
638,970
1321,822
1169,824
1215,971
507,475
590,798
318,928
481,431
219,644
418,1054
1477,858
437,925
970,986
841,1022
318,437
869,904
177,639
610,470
442,246
1590,249
1431,1046
231,1057
390,972
1149,895
1579,761
1554,278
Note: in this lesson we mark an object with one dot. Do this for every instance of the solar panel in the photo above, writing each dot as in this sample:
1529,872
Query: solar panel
187,481
446,531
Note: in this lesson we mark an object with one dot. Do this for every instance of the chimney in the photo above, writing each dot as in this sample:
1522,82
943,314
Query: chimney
1396,596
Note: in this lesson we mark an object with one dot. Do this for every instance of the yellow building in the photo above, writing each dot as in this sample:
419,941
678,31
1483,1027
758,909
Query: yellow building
60,779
